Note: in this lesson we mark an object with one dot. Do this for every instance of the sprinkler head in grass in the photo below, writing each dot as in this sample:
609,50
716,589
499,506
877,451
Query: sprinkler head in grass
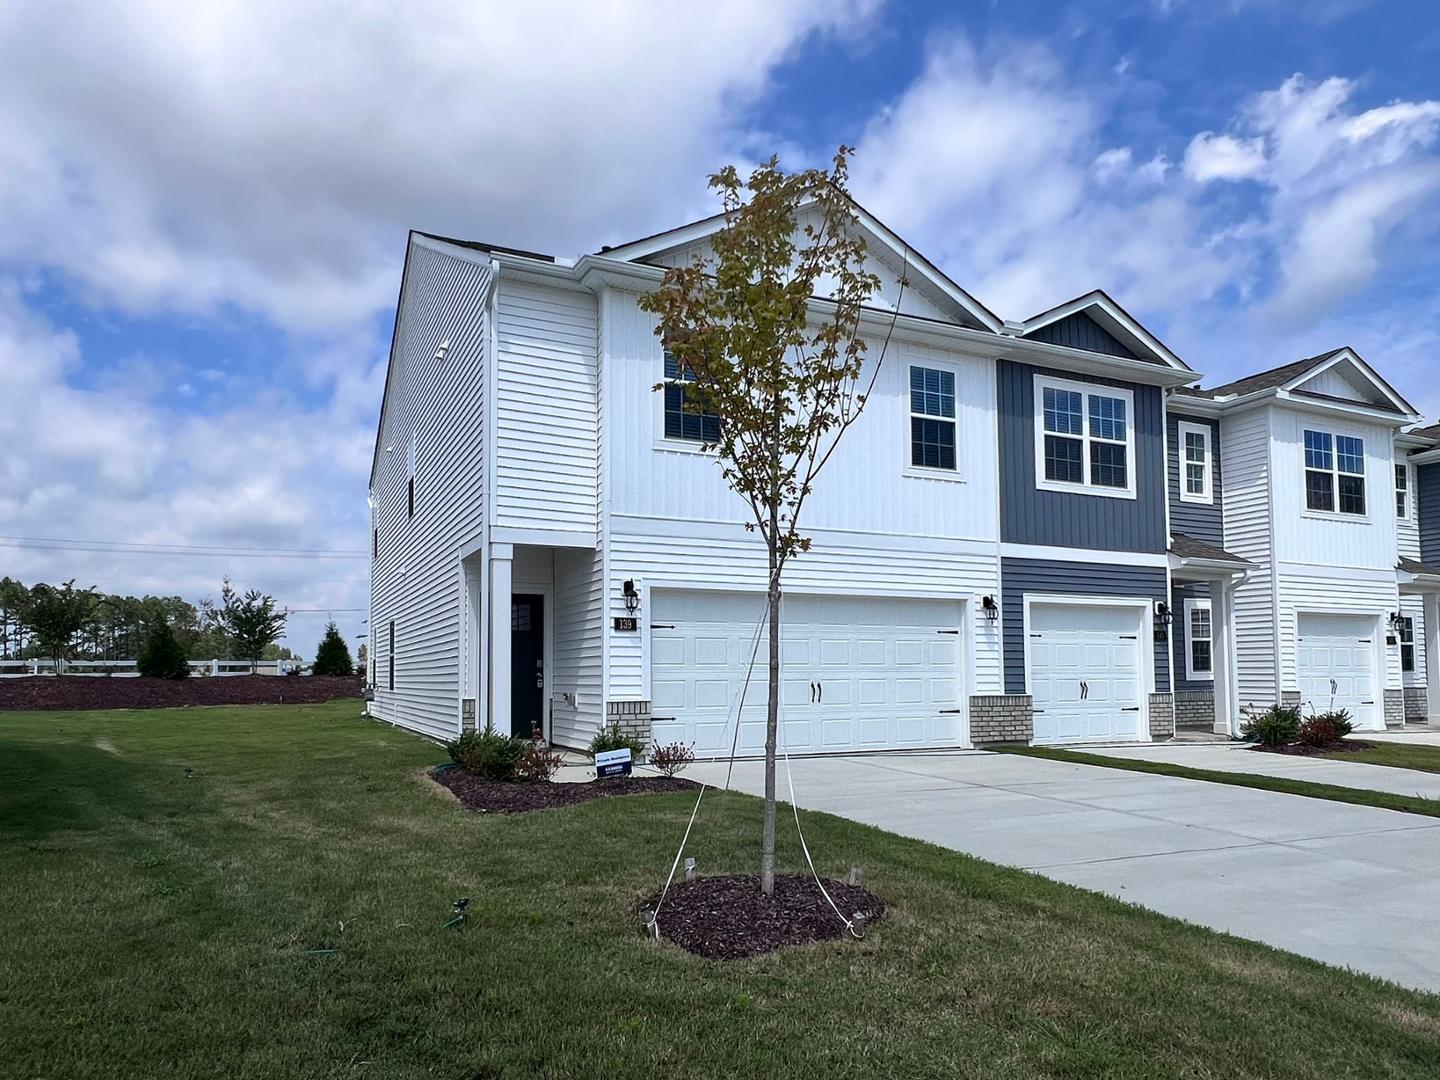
189,774
690,870
650,924
858,922
462,912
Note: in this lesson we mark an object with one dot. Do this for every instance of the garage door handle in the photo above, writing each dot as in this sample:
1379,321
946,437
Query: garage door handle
1131,708
822,692
944,711
812,693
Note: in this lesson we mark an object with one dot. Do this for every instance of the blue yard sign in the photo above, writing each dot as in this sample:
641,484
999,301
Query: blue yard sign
612,763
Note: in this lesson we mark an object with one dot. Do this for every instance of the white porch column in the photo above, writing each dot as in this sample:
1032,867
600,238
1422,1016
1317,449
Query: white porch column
501,565
1432,658
1222,646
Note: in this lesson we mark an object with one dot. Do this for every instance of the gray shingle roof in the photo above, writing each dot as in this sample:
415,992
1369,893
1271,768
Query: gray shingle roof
1187,547
1268,380
1415,566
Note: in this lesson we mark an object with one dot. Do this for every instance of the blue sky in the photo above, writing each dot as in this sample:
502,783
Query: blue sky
202,217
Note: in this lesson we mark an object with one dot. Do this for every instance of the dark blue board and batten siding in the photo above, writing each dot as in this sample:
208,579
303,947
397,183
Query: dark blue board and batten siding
1079,331
1203,521
1179,631
1030,515
1021,576
1427,483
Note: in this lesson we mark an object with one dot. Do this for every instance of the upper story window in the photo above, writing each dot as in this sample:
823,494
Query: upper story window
932,418
1196,463
1407,644
682,422
1199,640
1334,473
1084,438
1402,492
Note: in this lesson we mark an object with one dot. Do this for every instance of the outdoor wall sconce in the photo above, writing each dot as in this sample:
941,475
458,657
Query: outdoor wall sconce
632,598
990,607
1163,617
1397,622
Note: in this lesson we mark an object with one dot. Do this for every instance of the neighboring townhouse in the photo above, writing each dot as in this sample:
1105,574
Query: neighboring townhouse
1035,532
1417,507
1315,499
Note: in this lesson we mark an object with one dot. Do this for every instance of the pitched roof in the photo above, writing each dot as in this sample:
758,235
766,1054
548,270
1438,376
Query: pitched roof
1187,547
480,245
1415,566
1268,380
1094,322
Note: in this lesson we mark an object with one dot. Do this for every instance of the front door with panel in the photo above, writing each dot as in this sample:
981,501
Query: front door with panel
527,664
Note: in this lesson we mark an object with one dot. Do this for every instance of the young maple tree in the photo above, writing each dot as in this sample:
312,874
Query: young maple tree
765,335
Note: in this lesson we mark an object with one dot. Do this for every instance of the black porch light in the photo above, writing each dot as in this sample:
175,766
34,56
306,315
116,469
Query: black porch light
990,607
1163,616
632,598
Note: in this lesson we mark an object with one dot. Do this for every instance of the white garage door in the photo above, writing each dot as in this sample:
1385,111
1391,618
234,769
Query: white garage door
856,673
1085,672
1335,666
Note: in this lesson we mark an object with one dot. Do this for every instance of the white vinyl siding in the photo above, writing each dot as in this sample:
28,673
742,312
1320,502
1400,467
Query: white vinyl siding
1247,508
577,684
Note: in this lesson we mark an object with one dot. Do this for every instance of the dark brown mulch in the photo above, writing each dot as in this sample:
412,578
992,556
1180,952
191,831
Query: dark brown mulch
1301,750
122,692
504,797
727,918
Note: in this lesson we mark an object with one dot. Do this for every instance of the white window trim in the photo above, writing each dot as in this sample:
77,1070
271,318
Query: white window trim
1206,496
1086,390
1335,473
670,443
1191,675
1409,475
930,472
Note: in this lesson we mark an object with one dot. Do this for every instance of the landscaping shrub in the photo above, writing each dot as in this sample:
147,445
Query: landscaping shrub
487,753
162,657
1278,725
1325,729
332,655
612,738
672,758
537,763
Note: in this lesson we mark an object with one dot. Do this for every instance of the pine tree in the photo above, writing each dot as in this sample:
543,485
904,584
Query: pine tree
162,657
332,655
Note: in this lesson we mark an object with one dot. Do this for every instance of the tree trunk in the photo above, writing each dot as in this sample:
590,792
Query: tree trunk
772,727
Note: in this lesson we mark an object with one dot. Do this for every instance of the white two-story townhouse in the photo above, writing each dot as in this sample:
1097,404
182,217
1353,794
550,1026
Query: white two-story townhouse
1311,497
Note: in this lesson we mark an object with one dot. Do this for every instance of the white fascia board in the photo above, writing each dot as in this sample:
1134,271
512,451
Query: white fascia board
1277,396
1349,356
1205,569
1428,457
1186,405
1112,318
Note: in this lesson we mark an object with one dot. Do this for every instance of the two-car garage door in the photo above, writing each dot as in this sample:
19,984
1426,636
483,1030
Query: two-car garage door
858,673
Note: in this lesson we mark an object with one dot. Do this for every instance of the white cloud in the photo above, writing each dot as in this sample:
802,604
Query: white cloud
1223,157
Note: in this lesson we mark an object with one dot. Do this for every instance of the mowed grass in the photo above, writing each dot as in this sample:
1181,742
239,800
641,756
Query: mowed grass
159,925
1383,800
1396,755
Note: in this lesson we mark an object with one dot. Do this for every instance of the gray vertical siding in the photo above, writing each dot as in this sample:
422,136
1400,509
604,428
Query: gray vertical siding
1029,515
1179,631
1021,576
1079,331
1427,483
1200,520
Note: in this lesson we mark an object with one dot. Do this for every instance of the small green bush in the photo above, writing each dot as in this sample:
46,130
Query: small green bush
537,763
487,753
162,657
612,738
1278,725
1325,729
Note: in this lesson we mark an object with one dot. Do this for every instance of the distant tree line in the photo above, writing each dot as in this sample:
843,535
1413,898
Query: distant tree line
62,623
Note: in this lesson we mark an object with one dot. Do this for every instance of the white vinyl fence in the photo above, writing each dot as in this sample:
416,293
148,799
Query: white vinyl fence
16,668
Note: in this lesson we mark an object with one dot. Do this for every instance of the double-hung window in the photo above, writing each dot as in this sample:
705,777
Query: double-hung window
1407,643
1402,492
932,418
682,420
1199,640
1334,473
1085,438
1196,467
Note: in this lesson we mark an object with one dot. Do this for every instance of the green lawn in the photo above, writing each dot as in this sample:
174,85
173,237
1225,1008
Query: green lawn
1396,755
1408,804
155,925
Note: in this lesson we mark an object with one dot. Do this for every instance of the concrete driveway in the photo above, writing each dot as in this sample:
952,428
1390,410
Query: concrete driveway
1348,885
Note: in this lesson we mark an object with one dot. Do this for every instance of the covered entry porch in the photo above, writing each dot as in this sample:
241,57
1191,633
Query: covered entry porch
1420,589
1203,581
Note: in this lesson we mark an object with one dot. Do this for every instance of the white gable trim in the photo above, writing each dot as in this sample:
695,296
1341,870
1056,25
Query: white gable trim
1111,317
1349,356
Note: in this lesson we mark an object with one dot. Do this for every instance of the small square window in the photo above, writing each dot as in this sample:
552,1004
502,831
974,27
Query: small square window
1319,490
1064,460
1107,464
1107,418
1317,450
1062,411
1350,455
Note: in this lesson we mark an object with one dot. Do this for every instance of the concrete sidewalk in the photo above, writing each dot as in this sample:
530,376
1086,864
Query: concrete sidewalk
1350,885
1239,758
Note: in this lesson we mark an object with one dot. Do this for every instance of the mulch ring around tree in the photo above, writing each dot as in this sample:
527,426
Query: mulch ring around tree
727,918
1301,750
511,797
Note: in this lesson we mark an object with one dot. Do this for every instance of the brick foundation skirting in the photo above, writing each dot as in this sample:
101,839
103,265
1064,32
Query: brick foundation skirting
1290,698
1417,704
631,717
1162,716
1394,708
1195,710
1001,718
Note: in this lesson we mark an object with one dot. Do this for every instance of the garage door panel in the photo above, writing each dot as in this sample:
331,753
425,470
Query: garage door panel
1335,665
1084,666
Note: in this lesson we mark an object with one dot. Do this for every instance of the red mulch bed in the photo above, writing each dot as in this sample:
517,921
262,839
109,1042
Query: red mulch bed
123,692
507,797
727,918
1301,750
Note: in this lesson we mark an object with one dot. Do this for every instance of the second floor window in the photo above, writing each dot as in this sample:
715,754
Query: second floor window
1402,492
1334,473
1199,639
682,422
1084,438
1195,466
932,418
1407,644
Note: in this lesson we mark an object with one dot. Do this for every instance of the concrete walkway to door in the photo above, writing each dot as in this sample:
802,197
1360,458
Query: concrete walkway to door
1349,885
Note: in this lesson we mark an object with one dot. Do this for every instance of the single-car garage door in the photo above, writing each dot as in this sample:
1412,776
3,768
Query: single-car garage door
1085,673
1335,666
857,673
